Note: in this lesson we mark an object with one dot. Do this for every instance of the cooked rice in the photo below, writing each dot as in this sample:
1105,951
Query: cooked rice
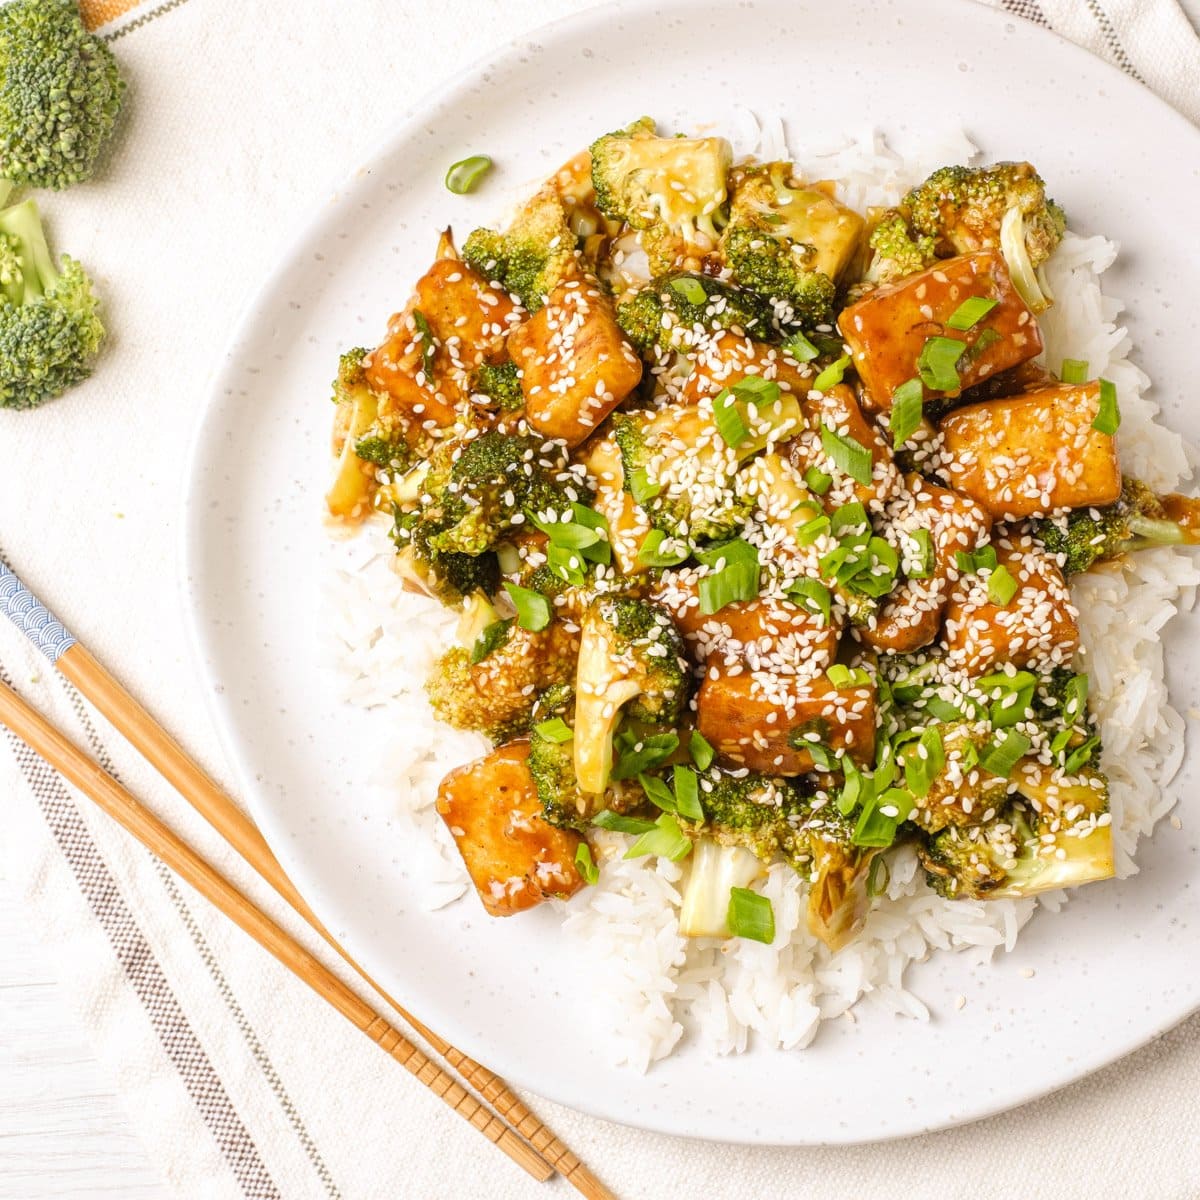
660,987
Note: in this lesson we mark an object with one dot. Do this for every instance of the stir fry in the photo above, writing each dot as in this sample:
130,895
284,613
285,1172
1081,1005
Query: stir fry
759,513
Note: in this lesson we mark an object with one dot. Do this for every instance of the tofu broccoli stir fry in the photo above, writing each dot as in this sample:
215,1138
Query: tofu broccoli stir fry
760,514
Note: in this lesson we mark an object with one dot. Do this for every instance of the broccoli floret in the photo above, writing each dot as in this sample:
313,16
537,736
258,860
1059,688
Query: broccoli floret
500,715
673,189
670,312
528,260
898,250
961,209
480,488
447,575
1031,845
790,243
1086,536
60,93
50,329
631,663
500,383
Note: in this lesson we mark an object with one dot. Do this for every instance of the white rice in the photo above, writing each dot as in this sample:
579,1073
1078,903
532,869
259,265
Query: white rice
660,987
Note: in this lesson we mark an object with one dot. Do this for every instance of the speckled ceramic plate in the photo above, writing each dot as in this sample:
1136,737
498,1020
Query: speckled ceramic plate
1113,970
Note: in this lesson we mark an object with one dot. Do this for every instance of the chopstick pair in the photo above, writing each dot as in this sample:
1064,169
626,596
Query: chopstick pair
517,1131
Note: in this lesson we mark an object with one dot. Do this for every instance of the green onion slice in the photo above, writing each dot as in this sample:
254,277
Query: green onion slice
973,561
1002,587
585,864
842,676
1108,418
1074,370
813,596
554,730
687,794
751,916
922,564
924,761
799,348
636,754
692,290
908,402
851,458
665,839
1004,753
640,487
728,417
832,375
567,564
492,638
652,553
1075,696
465,174
657,793
970,312
938,364
1081,756
606,819
878,876
701,750
533,609
817,481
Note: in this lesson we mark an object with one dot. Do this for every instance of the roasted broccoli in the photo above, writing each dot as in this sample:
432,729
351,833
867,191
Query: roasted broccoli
60,93
448,575
1056,833
958,210
631,663
1089,535
671,312
673,189
501,384
50,329
789,242
481,487
532,256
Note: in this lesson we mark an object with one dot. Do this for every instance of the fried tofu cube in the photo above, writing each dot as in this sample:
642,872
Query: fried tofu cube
627,522
728,358
515,858
766,633
912,615
1031,454
888,328
576,364
838,410
1038,627
454,320
762,722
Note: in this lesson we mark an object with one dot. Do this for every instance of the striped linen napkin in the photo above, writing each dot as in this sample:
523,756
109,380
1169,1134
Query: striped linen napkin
240,1081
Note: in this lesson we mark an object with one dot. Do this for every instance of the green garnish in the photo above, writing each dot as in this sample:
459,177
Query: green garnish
751,916
832,375
970,312
490,639
728,418
908,402
652,553
640,487
606,819
533,609
851,458
737,580
466,173
1004,753
687,794
691,290
665,839
1108,417
813,596
637,754
971,562
1002,587
554,730
938,364
701,750
924,761
585,864
922,566
1074,370
817,481
799,348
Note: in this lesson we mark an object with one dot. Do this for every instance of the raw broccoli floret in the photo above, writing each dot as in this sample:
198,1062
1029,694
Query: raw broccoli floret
789,242
60,93
631,663
1027,847
961,209
535,253
673,189
50,329
500,383
1089,535
671,312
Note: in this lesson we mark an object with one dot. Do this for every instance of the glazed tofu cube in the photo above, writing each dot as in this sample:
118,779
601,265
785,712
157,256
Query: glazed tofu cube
627,523
727,359
1037,628
1033,453
888,328
514,857
765,634
576,365
761,722
838,411
912,615
423,367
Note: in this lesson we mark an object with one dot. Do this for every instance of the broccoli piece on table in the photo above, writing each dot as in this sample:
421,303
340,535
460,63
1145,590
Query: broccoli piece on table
60,94
958,210
1056,833
673,311
50,329
789,242
501,384
532,256
672,189
1086,536
631,663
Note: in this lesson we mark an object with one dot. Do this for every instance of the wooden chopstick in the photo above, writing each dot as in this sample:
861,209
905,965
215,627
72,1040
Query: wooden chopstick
91,779
542,1153
169,759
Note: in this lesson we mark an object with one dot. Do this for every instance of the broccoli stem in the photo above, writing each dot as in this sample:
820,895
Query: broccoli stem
1149,531
24,223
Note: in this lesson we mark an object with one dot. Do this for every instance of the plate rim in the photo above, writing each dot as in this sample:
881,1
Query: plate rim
192,532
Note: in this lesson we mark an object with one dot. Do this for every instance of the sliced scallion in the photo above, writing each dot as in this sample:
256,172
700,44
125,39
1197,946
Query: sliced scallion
751,916
907,408
464,175
1108,416
1074,370
832,375
1002,587
533,609
701,750
970,312
585,864
851,457
938,364
554,730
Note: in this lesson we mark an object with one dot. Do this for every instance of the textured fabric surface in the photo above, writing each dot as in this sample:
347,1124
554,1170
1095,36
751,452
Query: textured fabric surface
242,1083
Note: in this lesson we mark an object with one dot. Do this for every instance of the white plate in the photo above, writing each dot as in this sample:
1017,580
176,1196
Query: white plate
1112,971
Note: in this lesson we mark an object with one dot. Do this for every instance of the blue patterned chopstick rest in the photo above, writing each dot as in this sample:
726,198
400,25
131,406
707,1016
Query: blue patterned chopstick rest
32,617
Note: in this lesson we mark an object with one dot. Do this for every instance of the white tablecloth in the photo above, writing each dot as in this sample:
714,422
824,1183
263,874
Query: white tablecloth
242,1083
